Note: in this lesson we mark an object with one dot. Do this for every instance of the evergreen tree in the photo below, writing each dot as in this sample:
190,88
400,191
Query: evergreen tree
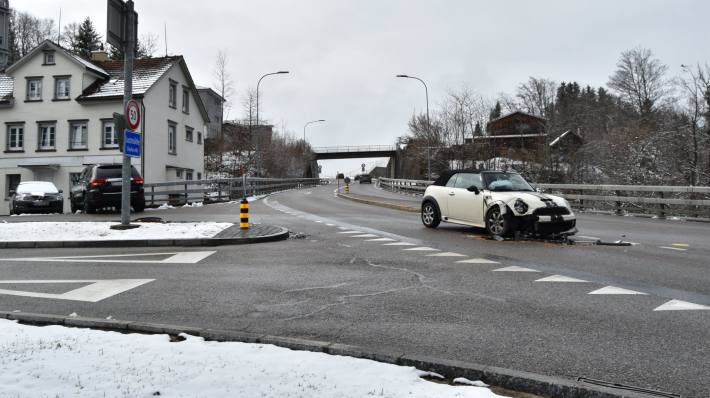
478,131
496,112
86,39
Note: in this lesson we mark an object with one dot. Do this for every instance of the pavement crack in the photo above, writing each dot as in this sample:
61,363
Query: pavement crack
305,289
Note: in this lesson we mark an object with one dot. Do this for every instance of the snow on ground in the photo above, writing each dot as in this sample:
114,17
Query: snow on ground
55,361
70,231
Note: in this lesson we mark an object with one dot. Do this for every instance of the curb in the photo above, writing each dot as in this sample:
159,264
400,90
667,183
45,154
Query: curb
380,204
206,242
526,382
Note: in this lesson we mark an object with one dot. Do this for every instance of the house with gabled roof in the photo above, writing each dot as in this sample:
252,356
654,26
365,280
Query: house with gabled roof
56,112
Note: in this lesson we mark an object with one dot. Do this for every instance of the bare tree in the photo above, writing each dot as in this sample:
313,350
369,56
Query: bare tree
148,45
30,31
70,33
537,96
695,85
640,79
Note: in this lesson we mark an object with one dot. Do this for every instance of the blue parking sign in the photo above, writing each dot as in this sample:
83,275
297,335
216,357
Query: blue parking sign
131,143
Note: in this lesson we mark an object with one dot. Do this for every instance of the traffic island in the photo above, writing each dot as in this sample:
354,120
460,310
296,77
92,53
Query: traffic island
26,235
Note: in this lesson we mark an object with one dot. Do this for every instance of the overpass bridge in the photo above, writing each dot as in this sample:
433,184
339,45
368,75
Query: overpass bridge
366,151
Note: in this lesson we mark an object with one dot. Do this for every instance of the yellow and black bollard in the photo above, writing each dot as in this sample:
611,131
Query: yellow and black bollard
347,188
244,214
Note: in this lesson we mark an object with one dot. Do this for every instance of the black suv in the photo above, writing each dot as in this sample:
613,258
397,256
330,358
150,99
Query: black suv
100,186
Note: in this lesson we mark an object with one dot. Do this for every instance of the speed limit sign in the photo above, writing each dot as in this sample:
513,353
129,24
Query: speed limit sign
133,115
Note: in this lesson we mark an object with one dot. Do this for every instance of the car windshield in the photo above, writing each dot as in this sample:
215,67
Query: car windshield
506,182
32,187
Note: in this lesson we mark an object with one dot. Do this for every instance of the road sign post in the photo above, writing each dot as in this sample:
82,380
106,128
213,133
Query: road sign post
122,27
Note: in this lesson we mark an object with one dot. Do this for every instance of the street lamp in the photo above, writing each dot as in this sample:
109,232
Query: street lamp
307,124
428,122
258,157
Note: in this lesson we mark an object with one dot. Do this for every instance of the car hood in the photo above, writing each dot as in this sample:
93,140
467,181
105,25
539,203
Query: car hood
533,199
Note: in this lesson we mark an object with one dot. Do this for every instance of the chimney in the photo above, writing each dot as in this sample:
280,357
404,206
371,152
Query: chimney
99,56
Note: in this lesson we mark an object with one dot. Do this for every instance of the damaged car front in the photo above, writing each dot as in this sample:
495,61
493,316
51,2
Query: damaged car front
512,205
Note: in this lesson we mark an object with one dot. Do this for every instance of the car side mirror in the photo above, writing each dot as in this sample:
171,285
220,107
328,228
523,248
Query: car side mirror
474,189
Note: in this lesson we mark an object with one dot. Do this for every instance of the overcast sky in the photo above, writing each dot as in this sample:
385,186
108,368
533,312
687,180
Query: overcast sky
343,54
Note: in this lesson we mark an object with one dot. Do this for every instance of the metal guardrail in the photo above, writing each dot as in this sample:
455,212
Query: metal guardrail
220,189
349,149
621,199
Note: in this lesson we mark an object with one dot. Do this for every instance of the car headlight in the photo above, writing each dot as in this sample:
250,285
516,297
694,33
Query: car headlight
520,206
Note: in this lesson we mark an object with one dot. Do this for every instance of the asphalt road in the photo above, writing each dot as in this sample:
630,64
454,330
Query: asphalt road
341,279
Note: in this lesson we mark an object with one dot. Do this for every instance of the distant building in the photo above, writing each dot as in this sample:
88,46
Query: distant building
214,103
4,33
56,110
517,135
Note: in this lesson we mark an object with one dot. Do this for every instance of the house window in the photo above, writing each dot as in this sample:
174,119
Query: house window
62,89
172,95
185,100
178,173
78,135
34,89
199,137
172,138
188,175
189,133
47,136
15,138
49,58
109,138
199,175
11,183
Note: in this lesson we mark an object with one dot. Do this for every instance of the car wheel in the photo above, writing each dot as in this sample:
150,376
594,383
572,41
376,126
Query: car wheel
497,223
88,208
430,215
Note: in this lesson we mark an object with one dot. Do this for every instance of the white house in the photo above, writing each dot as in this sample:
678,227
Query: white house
57,108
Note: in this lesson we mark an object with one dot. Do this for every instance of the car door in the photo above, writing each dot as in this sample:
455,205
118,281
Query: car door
464,205
448,196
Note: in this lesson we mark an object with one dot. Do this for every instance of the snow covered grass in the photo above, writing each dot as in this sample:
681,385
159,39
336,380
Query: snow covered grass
70,231
55,361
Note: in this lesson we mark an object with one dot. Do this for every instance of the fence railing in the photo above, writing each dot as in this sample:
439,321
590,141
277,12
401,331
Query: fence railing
344,149
220,189
620,199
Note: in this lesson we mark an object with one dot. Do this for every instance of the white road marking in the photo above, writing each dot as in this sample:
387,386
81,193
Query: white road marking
673,248
399,244
682,245
446,254
678,305
98,289
515,268
561,278
421,249
319,221
477,261
175,258
616,290
350,232
330,225
380,240
365,236
343,228
588,237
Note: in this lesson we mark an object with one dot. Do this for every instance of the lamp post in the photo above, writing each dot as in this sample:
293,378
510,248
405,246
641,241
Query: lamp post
258,157
307,124
428,122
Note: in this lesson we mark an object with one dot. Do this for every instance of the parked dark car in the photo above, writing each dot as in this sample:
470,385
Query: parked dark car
365,179
36,197
99,187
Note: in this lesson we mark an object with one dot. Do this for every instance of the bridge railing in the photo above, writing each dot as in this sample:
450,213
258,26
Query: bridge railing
661,201
350,149
178,193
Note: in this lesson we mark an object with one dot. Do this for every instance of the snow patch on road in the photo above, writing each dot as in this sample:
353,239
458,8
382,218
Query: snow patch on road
55,361
87,231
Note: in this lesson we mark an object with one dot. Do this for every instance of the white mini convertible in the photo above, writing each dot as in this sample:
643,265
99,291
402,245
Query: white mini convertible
501,202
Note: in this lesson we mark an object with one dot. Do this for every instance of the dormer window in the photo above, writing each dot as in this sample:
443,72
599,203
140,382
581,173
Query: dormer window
49,58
